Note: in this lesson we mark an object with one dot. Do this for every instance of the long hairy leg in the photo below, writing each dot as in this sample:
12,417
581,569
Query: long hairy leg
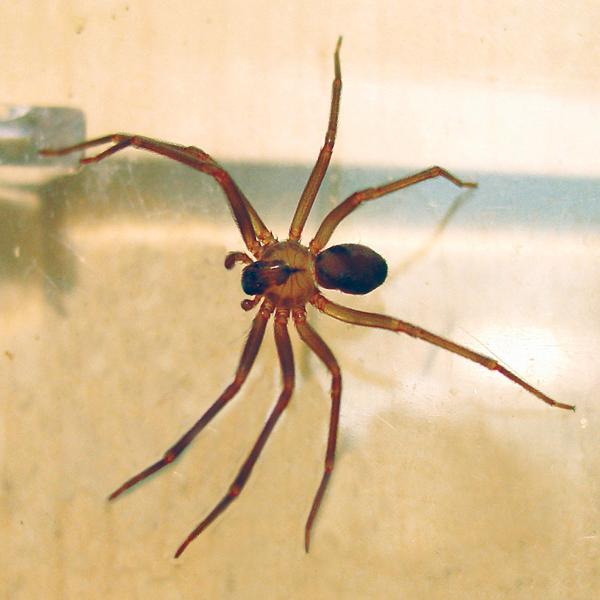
340,212
286,360
367,319
314,341
316,177
251,227
246,361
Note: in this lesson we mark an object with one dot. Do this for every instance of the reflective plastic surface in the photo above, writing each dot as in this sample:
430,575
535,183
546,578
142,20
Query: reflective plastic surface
120,327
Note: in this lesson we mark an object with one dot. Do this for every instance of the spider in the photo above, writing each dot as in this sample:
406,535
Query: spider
283,277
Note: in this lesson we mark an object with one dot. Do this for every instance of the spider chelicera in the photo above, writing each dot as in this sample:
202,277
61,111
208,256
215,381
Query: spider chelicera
283,277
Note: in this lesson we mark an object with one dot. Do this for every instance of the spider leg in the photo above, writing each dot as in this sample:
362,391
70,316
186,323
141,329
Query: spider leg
286,360
340,212
263,233
246,361
314,341
316,177
367,319
251,227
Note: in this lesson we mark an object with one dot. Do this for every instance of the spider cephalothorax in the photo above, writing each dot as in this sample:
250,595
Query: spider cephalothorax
284,274
284,277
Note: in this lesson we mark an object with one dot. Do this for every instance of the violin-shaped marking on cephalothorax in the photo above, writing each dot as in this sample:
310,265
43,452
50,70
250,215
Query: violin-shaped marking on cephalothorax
284,274
283,277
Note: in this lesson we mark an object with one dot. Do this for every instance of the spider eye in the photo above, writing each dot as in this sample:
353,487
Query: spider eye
350,268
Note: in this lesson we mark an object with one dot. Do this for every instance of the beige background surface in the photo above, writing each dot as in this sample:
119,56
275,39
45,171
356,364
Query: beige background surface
494,85
119,325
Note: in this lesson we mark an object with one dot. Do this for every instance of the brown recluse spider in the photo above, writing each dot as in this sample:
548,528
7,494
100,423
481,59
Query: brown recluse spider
285,276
